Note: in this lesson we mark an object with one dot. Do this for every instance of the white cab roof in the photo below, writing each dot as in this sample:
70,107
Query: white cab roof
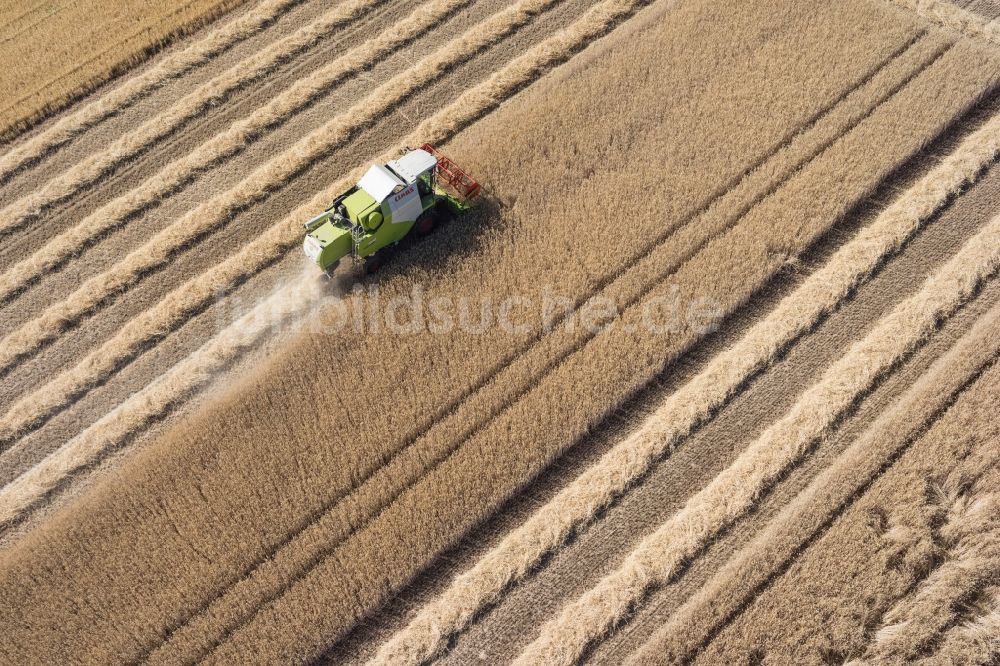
379,182
412,164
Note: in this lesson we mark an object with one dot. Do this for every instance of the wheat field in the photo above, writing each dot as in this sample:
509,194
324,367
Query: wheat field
707,374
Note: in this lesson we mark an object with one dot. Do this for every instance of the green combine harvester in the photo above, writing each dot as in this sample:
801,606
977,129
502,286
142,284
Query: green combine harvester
389,201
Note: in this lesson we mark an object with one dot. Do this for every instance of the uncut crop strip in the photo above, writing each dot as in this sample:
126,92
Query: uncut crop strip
35,22
135,88
223,145
734,491
956,18
269,176
137,36
279,310
482,585
29,207
273,243
23,12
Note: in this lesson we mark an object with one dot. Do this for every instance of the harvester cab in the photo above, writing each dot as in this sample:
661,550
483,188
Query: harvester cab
392,199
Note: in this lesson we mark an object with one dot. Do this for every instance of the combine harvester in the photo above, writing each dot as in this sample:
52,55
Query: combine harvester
389,201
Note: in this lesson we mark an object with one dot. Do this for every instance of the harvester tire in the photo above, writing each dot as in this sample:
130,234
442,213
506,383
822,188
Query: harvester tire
373,264
427,221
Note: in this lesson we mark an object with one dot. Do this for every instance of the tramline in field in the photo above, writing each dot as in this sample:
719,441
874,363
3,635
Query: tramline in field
391,200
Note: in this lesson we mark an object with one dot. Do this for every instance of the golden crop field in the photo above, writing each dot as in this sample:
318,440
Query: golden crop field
706,373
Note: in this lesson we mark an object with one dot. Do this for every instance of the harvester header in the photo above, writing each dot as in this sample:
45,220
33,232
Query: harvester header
451,175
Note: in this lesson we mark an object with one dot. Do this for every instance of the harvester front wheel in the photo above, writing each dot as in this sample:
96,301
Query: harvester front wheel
427,221
373,264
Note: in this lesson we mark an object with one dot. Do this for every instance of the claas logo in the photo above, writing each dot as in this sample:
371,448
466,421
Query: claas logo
403,193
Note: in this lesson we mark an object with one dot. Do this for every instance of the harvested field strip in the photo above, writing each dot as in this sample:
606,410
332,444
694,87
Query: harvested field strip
165,392
955,18
970,538
429,631
96,42
659,556
209,215
801,522
867,534
25,210
222,146
179,304
70,125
